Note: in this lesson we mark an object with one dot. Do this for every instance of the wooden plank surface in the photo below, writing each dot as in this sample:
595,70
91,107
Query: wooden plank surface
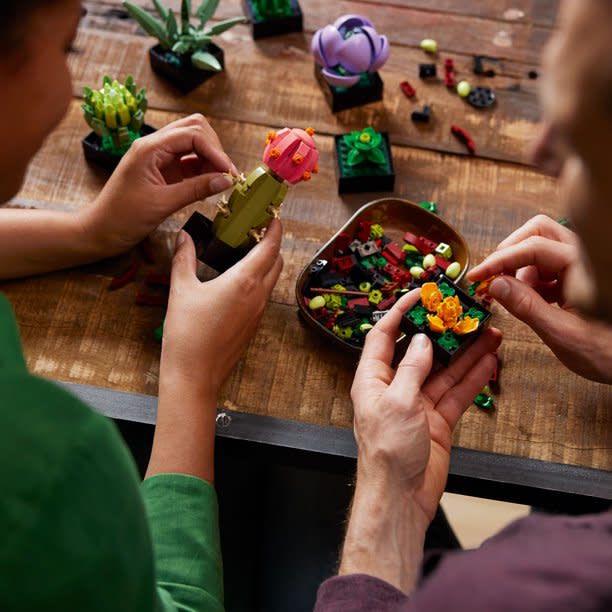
75,329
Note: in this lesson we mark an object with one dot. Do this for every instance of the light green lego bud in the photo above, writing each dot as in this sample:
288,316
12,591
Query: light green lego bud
453,270
416,272
429,261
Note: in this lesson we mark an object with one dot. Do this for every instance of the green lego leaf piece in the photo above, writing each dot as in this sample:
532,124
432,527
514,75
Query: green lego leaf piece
185,15
448,341
475,313
206,61
161,10
171,26
149,24
355,157
206,10
418,315
484,401
430,206
376,156
446,290
472,288
181,47
222,26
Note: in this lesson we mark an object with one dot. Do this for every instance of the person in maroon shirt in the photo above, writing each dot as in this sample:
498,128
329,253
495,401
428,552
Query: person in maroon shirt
560,284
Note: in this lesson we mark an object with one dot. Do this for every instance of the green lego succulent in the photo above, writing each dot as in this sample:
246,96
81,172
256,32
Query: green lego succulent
115,113
364,145
185,39
269,9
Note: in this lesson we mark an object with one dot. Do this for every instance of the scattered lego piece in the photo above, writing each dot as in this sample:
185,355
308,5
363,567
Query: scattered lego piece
464,89
450,79
421,116
408,89
429,45
479,69
464,137
123,279
482,97
427,71
453,270
273,18
429,206
444,250
484,400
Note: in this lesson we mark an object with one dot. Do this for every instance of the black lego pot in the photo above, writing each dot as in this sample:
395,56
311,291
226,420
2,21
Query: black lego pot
96,154
275,26
179,70
369,89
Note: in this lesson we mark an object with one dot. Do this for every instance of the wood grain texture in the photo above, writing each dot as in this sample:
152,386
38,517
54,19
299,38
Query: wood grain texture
75,329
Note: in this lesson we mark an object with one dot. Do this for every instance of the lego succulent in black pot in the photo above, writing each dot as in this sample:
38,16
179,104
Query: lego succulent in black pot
273,17
185,55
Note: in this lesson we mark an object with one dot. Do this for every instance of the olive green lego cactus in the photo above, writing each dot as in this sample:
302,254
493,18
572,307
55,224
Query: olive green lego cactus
184,38
115,113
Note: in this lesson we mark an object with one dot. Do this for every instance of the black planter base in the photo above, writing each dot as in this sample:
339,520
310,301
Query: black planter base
369,177
209,249
274,27
341,98
96,154
180,71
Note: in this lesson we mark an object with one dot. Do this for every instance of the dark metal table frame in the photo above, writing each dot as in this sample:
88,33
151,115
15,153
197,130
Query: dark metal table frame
552,486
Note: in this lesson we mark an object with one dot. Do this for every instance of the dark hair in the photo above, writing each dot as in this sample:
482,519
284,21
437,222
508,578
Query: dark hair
13,18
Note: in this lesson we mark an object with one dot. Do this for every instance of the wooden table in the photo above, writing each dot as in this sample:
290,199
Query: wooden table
75,330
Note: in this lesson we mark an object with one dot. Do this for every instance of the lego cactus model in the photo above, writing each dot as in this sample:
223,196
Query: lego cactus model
364,162
115,113
290,156
185,55
272,17
348,53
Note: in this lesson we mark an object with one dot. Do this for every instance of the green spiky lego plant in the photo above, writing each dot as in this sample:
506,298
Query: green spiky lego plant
185,38
115,113
270,9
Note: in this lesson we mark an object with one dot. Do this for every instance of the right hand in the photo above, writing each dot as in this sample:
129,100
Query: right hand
534,261
208,324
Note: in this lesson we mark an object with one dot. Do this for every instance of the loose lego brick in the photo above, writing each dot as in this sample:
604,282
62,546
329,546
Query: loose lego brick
378,315
442,263
409,237
465,138
387,303
422,116
393,253
427,71
450,79
329,279
358,302
408,89
367,249
362,231
342,242
425,245
343,264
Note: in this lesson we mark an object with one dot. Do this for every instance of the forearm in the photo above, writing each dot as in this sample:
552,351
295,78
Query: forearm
36,241
184,441
385,534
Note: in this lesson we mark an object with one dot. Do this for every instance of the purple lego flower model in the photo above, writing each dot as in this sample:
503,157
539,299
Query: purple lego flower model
348,48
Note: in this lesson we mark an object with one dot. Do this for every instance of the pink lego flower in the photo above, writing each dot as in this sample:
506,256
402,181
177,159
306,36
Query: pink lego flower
292,154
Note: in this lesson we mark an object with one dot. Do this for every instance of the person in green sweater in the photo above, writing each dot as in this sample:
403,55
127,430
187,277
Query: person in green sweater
79,531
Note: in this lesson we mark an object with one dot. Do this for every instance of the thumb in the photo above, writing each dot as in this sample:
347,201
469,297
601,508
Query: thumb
415,366
184,263
196,188
527,305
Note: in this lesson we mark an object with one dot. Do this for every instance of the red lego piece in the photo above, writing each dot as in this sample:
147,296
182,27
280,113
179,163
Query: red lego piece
342,242
358,302
393,253
393,271
410,238
343,264
408,89
450,79
425,245
362,231
390,287
465,138
387,303
442,263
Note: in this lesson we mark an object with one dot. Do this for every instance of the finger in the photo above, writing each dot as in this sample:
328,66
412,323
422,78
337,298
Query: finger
540,225
261,258
549,256
447,378
193,189
380,341
184,264
415,366
270,279
549,322
457,399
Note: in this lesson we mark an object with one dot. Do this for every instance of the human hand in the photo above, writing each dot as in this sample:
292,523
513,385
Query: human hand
177,165
404,418
535,261
208,324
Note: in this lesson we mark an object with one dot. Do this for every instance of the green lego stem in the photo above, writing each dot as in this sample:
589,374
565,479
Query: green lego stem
248,205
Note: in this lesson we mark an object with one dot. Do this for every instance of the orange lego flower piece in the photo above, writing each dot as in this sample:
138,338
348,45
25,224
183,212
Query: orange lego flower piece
449,310
297,158
467,325
436,324
310,131
275,153
306,176
483,287
430,296
315,170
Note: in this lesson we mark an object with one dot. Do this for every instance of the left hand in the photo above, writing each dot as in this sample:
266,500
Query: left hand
404,418
161,173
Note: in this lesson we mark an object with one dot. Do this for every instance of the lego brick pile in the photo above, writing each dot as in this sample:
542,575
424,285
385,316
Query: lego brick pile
367,274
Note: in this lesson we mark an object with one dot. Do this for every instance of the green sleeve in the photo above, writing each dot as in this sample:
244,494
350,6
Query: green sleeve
183,517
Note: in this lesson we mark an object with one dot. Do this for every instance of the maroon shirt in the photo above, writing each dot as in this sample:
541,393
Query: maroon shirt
541,563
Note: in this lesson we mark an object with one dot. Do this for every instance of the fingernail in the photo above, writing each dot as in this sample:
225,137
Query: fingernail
419,342
179,240
220,183
499,289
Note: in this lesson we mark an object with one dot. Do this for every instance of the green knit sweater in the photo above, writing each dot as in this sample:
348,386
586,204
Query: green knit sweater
79,531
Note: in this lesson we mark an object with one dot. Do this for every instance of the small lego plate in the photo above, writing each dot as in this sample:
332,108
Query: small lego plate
360,270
